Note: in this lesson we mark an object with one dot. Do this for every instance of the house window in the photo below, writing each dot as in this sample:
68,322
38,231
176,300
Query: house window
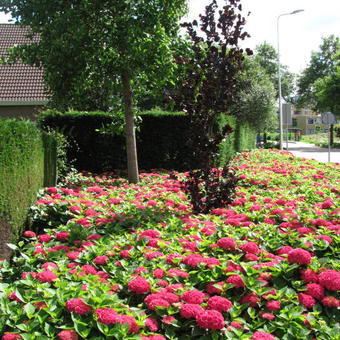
310,121
310,132
294,122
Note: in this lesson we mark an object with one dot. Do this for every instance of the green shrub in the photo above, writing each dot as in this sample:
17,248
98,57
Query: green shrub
88,147
337,130
27,162
97,144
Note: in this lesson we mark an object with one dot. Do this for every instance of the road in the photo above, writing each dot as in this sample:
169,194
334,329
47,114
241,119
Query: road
311,151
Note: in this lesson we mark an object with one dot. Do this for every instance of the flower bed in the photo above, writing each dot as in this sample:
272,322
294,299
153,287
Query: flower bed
120,261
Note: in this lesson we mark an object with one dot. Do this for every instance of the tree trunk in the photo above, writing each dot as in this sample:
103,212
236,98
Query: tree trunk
131,149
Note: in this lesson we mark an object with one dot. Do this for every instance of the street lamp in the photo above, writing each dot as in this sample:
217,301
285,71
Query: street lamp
279,74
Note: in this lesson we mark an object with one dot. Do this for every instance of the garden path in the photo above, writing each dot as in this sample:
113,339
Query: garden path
312,151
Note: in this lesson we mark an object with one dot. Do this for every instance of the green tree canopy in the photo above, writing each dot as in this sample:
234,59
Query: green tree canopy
266,56
117,44
322,64
255,103
327,91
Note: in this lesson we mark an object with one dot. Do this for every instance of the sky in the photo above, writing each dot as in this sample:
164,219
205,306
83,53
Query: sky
299,34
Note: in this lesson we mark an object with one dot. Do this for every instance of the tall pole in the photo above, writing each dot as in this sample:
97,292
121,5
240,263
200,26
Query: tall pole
279,76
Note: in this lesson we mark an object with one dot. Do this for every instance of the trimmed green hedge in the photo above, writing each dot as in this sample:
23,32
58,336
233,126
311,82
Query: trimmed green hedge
160,139
27,162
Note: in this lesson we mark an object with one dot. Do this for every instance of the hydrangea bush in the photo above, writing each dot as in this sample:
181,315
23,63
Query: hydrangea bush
120,261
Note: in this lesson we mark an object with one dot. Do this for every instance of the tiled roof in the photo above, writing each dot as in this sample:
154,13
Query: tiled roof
18,82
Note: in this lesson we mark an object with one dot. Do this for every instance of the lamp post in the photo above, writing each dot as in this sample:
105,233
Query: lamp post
279,75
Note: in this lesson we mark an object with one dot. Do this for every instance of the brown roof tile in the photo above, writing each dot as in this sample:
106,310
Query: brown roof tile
19,82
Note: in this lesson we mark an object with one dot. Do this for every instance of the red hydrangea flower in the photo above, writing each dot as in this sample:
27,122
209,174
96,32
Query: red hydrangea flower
219,303
267,316
73,255
273,305
249,247
169,319
29,233
177,272
48,265
236,324
284,250
325,237
153,337
150,233
330,279
130,321
327,204
262,336
214,288
252,299
157,303
88,269
44,238
101,260
62,236
106,315
193,296
226,243
299,256
309,275
190,310
306,300
210,319
330,301
68,334
46,276
152,324
315,290
158,273
170,297
139,286
13,296
236,280
11,336
78,306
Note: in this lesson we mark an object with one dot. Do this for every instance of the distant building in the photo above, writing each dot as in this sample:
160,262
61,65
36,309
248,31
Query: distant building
307,121
22,91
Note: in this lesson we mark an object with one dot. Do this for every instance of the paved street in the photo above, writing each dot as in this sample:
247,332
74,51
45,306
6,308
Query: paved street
311,151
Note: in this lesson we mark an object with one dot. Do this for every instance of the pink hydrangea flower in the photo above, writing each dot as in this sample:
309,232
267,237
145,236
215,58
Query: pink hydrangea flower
152,324
306,300
226,243
250,247
235,280
68,334
44,238
106,316
252,299
299,256
101,260
29,233
11,336
46,276
330,301
139,286
193,296
219,303
190,310
315,290
210,319
78,306
273,305
262,336
330,279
